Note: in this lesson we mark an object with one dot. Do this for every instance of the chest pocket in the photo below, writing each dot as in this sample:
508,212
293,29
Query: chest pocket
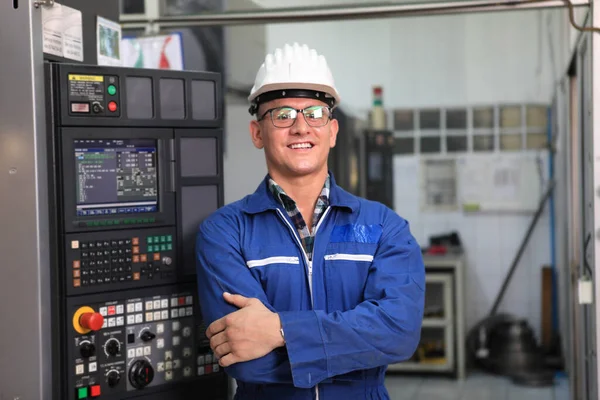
347,261
280,274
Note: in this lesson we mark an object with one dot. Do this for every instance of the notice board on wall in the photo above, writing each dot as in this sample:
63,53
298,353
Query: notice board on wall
500,182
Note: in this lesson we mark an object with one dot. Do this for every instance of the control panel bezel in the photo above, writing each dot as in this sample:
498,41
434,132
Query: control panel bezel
122,123
123,361
165,215
121,74
133,261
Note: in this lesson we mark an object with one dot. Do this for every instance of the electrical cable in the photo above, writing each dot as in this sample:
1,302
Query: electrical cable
586,265
571,16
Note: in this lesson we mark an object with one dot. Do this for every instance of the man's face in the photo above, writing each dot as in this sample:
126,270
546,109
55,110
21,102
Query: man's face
299,150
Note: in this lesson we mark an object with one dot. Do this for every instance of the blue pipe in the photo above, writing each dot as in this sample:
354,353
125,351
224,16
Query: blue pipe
552,226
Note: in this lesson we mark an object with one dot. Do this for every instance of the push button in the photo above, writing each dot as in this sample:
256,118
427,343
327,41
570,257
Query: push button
95,390
81,393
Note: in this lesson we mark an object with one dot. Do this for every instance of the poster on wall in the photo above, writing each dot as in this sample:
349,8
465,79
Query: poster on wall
108,35
156,52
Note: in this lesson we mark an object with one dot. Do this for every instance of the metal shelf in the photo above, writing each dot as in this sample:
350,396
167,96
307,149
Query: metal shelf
437,323
418,366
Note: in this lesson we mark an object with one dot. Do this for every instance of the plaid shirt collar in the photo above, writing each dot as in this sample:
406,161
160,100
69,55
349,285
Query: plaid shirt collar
306,235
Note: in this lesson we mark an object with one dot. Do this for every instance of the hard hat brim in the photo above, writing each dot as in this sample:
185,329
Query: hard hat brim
328,90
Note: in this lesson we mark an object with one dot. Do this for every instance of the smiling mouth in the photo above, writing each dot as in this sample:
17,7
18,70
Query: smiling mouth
300,146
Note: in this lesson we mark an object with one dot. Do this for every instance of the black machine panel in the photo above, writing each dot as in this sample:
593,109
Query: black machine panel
135,165
139,97
146,339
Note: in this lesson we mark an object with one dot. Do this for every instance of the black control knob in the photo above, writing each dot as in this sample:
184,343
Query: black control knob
97,107
113,378
141,374
112,347
147,336
87,349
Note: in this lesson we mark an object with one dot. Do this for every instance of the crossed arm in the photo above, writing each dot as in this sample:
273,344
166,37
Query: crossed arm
244,327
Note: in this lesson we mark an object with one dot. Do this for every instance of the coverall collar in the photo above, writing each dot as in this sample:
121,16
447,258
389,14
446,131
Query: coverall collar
262,199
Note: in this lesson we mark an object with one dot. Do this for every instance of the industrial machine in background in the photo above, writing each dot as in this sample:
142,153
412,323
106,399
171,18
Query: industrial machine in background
134,165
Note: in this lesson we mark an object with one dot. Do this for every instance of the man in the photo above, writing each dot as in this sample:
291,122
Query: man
310,292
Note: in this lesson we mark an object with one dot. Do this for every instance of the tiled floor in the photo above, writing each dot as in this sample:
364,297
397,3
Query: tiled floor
477,386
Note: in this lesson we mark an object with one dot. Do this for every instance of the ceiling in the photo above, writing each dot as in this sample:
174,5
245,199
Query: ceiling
330,3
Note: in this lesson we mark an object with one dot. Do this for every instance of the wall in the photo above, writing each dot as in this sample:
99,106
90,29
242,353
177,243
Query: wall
456,60
244,165
434,61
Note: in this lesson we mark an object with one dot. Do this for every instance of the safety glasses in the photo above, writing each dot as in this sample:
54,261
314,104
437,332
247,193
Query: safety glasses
285,117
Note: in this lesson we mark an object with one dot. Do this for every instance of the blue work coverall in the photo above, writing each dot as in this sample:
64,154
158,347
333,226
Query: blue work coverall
357,307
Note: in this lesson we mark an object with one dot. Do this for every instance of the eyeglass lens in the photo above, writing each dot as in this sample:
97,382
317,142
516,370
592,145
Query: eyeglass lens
285,117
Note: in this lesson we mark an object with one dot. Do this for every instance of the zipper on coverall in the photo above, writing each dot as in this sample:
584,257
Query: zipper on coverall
308,263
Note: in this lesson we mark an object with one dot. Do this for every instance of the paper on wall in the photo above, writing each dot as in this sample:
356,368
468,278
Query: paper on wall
62,32
72,34
108,34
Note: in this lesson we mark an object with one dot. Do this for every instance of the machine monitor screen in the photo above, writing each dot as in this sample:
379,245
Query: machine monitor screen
116,176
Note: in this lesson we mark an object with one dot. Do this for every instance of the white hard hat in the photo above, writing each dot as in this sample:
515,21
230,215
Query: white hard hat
294,71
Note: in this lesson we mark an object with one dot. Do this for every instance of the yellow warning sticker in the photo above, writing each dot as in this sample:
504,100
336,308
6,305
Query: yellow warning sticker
87,78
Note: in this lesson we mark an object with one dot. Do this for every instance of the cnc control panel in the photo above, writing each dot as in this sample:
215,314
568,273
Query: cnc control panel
135,164
129,343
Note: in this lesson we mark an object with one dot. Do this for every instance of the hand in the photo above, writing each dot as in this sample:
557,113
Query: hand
247,334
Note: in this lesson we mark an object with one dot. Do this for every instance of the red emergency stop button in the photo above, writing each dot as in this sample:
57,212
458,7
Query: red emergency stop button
86,319
112,106
91,321
95,390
